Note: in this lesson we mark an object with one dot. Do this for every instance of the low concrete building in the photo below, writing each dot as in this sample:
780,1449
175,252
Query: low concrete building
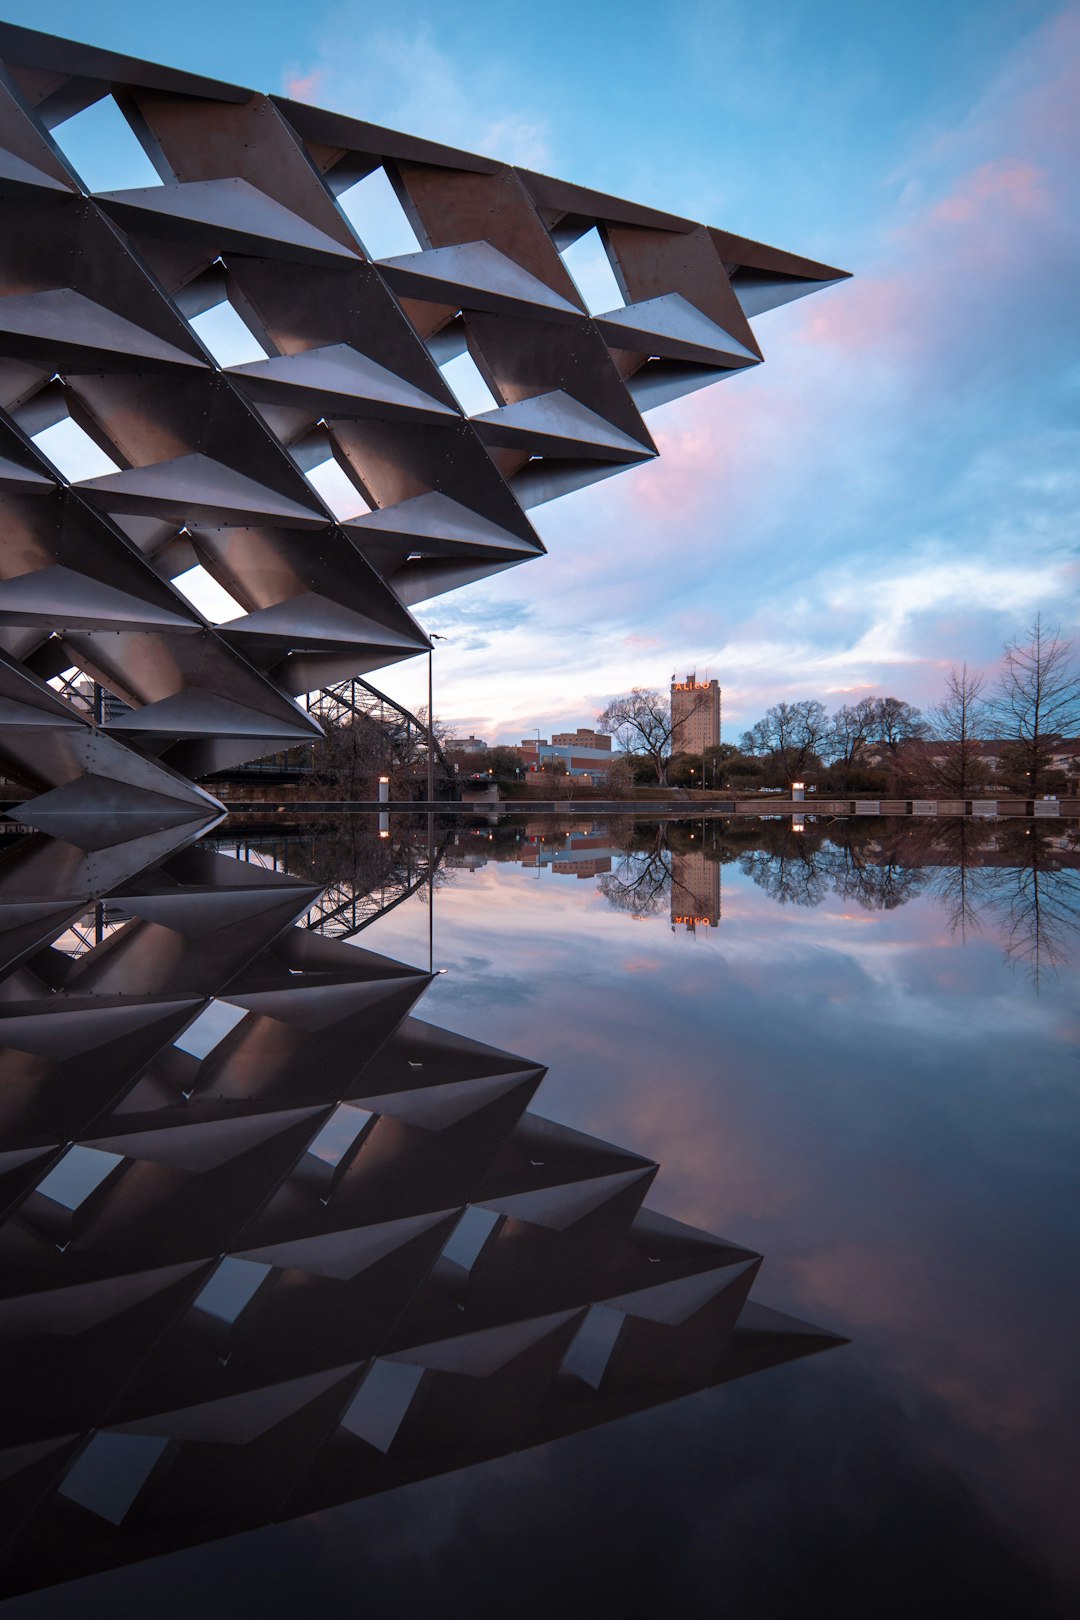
583,752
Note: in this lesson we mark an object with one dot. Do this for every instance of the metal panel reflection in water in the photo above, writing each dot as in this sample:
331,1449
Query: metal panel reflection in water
328,1252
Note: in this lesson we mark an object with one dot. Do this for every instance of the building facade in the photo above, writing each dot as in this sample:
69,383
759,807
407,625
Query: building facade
582,738
696,708
583,752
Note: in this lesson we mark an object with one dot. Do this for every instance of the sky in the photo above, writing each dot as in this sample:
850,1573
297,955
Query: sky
896,490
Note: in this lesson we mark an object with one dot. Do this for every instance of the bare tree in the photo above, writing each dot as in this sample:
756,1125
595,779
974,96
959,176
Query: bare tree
351,756
956,763
853,726
791,736
355,752
641,722
619,777
1038,698
896,723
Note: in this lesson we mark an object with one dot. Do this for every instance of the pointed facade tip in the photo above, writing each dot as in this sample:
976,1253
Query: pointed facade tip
758,294
557,424
435,517
673,328
226,213
764,1338
62,321
94,817
196,487
65,600
24,480
343,382
195,713
18,178
312,621
475,275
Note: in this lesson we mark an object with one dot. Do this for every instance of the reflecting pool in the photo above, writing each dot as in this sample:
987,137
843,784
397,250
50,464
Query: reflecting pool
851,1048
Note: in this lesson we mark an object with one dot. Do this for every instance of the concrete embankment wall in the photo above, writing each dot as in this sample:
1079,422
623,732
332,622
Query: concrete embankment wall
291,797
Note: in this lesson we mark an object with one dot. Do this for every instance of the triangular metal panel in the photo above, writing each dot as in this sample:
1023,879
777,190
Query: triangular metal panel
475,275
226,213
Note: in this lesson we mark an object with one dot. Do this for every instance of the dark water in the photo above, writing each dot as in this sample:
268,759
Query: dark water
852,1052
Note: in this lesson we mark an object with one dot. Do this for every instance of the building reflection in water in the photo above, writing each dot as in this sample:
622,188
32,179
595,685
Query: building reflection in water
1015,880
270,1241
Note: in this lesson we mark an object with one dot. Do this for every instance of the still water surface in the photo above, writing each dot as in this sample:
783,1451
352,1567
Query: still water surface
862,1065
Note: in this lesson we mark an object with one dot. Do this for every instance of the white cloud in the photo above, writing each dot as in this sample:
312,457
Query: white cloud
892,492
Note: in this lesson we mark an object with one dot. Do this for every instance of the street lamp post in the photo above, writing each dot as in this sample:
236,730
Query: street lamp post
431,723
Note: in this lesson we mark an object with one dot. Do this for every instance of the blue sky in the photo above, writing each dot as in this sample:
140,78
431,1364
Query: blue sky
897,488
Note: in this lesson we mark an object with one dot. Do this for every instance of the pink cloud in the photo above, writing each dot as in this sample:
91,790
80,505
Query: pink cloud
952,277
1019,187
306,86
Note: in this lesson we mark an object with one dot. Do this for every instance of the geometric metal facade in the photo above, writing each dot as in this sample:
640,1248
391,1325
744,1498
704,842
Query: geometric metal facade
98,294
269,1242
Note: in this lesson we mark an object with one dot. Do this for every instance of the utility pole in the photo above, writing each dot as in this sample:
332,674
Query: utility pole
431,721
430,733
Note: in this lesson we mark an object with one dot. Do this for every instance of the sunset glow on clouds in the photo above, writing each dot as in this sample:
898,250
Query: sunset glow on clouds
896,489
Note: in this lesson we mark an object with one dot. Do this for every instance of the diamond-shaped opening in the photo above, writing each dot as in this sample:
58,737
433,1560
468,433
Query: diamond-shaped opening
209,1029
375,214
76,687
339,1133
592,1345
96,924
227,335
73,452
207,596
231,1288
337,490
104,150
588,263
464,377
88,696
469,1236
78,1174
109,1473
378,1408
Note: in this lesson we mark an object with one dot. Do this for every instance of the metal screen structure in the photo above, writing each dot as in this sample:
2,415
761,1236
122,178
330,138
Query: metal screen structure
182,463
270,1241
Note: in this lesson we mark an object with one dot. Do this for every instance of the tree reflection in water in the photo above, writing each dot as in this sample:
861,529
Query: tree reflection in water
1014,880
643,882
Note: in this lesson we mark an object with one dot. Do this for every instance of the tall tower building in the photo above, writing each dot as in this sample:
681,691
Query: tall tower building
695,714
